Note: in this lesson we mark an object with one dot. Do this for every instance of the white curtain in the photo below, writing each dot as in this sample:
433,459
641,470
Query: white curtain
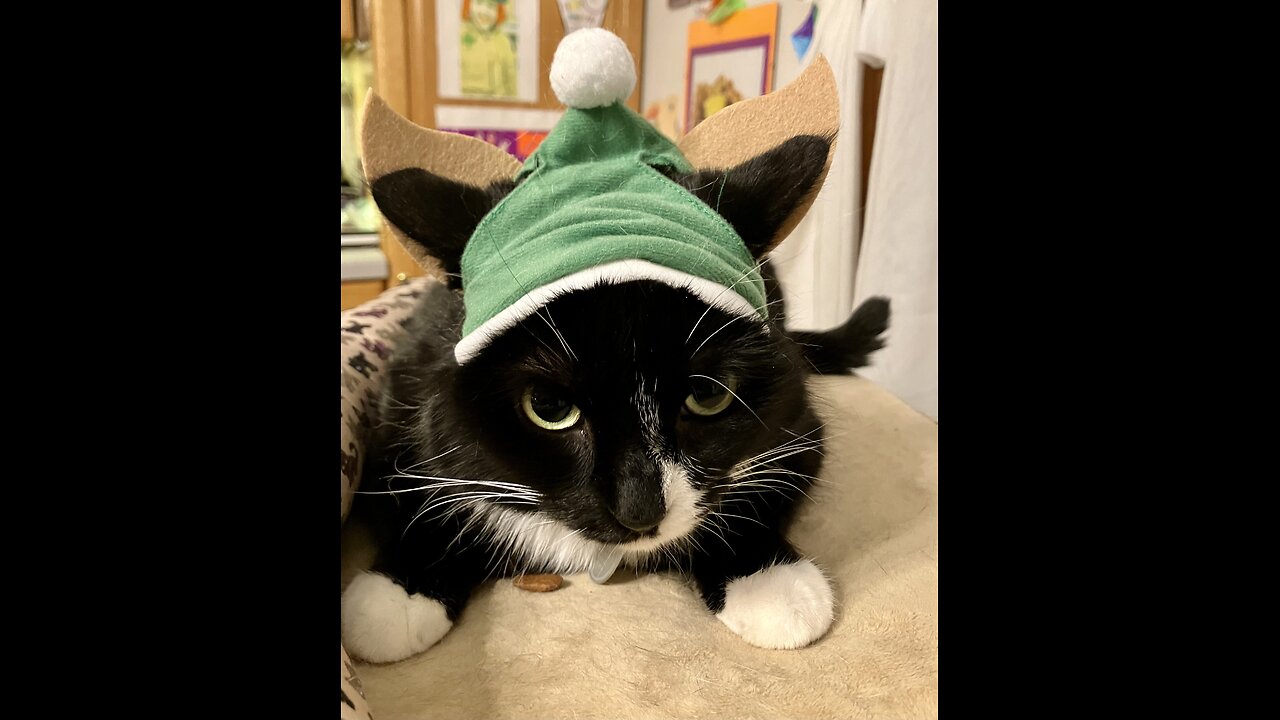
816,264
898,257
835,259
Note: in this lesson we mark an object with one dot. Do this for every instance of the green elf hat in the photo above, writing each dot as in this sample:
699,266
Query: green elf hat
594,207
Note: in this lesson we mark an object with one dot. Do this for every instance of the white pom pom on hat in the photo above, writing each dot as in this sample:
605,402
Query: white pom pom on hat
592,68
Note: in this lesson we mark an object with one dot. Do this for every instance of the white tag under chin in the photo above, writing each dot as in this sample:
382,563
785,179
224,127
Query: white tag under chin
604,564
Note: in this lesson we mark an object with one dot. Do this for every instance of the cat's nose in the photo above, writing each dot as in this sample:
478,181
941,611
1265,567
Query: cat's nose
638,503
640,522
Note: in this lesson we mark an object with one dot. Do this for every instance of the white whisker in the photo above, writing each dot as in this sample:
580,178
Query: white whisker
710,305
743,517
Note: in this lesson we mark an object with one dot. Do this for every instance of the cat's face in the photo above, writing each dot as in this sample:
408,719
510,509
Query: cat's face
630,415
610,426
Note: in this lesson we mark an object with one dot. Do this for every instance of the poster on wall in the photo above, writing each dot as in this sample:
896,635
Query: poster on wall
487,49
578,14
517,131
729,62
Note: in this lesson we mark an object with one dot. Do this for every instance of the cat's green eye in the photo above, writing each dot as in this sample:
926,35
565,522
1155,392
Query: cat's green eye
708,396
548,409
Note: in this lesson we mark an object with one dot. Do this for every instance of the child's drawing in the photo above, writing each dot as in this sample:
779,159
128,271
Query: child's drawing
488,48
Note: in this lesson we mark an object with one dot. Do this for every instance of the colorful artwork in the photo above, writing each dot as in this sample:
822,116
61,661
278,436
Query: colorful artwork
722,10
665,116
802,38
488,53
487,49
519,132
710,98
520,143
729,62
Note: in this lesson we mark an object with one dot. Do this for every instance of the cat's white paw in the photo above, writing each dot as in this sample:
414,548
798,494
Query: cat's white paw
383,623
780,607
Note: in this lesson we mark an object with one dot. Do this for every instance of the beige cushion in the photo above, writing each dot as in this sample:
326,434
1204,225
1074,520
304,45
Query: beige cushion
644,647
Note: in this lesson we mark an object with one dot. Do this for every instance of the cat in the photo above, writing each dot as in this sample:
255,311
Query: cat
626,422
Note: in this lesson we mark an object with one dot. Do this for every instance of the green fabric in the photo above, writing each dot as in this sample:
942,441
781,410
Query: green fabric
590,195
586,137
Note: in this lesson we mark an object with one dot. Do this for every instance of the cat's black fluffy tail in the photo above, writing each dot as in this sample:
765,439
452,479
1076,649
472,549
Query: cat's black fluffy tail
838,351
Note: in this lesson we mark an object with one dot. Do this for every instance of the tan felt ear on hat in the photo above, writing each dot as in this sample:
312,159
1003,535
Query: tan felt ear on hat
390,143
809,105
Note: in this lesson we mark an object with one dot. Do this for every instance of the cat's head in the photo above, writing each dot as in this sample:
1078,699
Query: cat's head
630,408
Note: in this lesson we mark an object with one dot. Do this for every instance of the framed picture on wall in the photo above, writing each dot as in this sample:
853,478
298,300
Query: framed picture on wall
487,49
729,62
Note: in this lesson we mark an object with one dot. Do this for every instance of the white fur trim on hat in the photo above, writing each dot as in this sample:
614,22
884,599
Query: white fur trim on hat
726,299
592,68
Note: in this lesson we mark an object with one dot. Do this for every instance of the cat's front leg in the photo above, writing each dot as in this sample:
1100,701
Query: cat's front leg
405,603
763,590
383,622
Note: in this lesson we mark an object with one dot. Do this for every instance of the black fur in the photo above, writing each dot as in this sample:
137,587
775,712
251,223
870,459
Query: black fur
436,213
838,351
757,196
433,406
599,347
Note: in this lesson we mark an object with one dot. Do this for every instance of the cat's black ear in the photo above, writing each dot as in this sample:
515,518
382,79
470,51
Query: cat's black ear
436,213
769,155
432,187
760,197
